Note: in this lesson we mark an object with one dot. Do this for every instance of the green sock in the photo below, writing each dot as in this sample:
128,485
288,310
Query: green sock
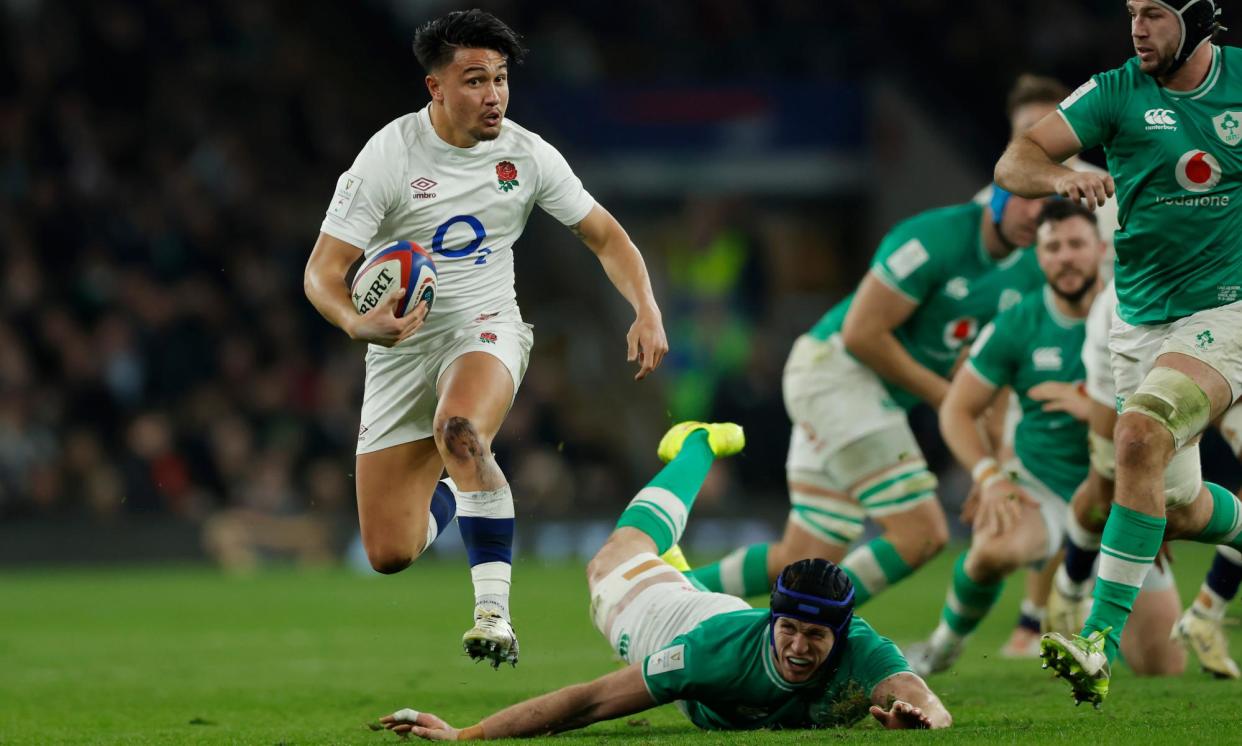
743,572
1226,521
1128,548
660,509
873,567
968,601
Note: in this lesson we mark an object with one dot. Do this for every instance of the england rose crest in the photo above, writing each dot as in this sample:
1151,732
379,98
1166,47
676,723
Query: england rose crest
488,338
506,175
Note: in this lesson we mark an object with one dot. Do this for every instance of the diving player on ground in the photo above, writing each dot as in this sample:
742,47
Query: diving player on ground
727,666
459,180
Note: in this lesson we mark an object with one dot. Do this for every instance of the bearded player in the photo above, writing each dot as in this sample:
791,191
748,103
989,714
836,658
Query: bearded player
1030,99
1170,121
806,662
459,180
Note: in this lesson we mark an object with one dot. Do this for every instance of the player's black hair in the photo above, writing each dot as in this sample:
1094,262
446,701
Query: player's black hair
1056,210
817,577
436,41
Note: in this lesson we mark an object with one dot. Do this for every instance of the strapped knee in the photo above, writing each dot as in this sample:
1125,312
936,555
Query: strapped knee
1103,455
1173,399
1183,478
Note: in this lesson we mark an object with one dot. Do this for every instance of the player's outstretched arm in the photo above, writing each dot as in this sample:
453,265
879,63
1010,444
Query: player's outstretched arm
603,235
999,501
867,333
324,284
903,700
611,696
1031,165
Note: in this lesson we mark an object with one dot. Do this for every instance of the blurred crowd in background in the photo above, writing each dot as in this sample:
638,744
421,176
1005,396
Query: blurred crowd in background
164,167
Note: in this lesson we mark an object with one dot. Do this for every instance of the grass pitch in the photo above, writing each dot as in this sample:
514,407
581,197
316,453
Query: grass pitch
188,656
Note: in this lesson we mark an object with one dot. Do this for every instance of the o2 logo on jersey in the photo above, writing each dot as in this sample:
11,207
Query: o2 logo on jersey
960,331
1197,171
469,223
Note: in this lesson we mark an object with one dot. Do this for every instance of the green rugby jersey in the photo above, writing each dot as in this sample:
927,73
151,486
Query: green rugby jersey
937,260
1176,158
724,678
1025,346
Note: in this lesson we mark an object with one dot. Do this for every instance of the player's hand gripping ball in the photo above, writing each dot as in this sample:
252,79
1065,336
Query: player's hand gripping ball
405,264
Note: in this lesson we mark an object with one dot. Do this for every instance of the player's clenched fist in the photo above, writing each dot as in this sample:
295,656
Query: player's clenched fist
382,326
1090,189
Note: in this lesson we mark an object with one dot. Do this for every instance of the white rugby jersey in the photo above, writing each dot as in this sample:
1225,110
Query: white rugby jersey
465,206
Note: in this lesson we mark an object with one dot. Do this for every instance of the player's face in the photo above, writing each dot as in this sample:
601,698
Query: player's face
1069,253
801,647
1025,116
1018,221
473,90
1156,33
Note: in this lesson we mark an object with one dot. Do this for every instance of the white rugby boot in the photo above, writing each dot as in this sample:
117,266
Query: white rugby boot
1206,639
492,639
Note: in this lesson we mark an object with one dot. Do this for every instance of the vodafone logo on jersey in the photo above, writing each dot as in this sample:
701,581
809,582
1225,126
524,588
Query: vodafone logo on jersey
1197,171
959,332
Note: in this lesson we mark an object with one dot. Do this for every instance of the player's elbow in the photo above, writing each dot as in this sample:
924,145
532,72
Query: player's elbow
856,337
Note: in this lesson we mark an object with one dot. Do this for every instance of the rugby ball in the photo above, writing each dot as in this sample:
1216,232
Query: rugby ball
405,264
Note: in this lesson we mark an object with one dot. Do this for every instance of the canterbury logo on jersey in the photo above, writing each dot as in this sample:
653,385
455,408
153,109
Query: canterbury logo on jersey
1160,119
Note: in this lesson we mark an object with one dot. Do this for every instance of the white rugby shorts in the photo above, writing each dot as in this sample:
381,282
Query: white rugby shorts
1213,336
644,603
400,396
833,400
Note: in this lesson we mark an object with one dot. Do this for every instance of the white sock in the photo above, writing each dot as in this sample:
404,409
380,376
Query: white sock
1214,608
491,586
944,637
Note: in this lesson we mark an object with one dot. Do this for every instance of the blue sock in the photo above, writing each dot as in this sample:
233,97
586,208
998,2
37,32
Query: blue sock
486,523
1082,546
443,508
1224,577
1079,562
1030,616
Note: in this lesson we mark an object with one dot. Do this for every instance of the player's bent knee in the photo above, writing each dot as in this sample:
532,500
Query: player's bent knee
1172,399
993,558
390,562
1140,440
460,438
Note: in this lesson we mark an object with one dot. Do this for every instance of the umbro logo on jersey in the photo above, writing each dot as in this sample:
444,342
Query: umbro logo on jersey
1046,358
1160,119
422,187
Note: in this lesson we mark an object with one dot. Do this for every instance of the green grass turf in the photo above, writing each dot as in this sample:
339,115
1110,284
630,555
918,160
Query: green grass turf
185,655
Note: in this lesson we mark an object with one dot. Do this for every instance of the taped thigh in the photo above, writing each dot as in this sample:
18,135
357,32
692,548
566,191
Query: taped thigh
885,472
1173,399
831,517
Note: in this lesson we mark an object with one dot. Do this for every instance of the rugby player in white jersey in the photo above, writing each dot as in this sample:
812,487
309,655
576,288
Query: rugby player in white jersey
459,180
